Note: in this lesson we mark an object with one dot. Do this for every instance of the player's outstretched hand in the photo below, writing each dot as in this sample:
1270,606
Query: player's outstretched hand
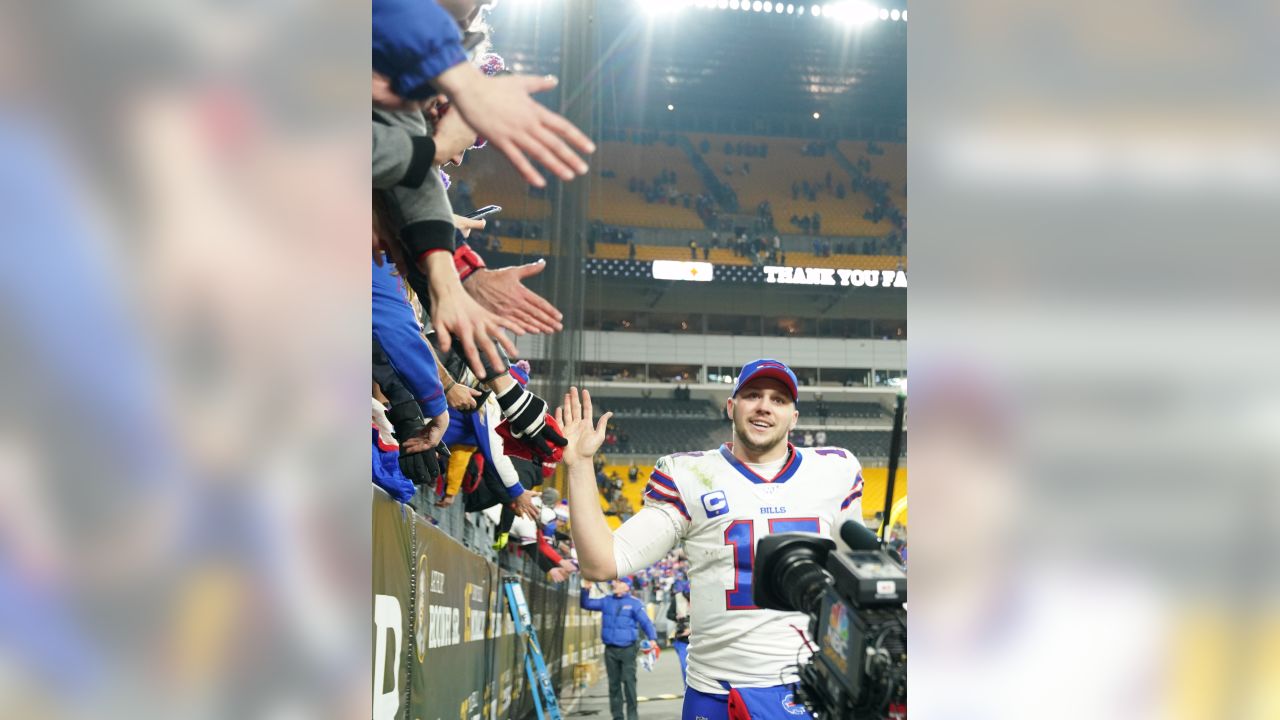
574,417
457,317
502,109
523,506
503,292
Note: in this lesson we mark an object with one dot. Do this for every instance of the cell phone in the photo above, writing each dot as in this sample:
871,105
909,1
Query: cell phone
484,212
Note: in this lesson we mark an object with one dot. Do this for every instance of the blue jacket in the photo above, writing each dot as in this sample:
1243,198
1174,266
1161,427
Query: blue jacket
413,42
397,331
621,616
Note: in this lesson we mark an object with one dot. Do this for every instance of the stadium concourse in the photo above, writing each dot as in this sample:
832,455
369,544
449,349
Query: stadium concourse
732,205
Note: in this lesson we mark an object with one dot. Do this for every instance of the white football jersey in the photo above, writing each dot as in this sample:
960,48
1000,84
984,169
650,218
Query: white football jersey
721,508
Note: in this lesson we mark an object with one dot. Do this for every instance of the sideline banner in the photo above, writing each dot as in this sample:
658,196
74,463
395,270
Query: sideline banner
444,643
451,616
392,623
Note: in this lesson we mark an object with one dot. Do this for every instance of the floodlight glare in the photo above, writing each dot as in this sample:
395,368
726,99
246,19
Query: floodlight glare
657,7
733,4
904,16
768,6
757,5
816,11
852,12
817,115
724,4
895,14
671,107
791,9
884,14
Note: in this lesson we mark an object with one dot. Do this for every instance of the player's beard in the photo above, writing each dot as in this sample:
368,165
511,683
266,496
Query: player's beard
742,426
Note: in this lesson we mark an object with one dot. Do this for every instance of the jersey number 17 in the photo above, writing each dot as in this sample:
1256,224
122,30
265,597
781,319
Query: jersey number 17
741,535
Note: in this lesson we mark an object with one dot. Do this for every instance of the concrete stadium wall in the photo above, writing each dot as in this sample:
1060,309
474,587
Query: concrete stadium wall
696,349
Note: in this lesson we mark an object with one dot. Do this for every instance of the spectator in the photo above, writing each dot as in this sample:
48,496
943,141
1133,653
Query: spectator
418,49
624,617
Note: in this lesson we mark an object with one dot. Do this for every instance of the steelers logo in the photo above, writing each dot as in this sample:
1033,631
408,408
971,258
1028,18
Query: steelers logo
420,612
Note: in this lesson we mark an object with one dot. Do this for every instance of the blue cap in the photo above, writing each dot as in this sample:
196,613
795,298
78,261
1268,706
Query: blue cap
767,368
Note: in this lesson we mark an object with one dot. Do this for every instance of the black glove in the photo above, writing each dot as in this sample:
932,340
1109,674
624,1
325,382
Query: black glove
526,413
407,422
422,468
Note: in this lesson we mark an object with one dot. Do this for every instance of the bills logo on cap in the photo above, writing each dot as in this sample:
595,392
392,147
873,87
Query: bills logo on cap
768,367
715,503
791,706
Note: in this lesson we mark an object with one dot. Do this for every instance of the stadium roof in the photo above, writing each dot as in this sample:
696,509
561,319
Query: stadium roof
769,72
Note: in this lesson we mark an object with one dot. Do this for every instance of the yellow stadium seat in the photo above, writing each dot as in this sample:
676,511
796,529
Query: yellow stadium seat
771,177
613,203
494,181
890,167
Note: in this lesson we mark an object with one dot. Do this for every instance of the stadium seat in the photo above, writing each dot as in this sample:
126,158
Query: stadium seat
771,177
861,410
613,203
890,166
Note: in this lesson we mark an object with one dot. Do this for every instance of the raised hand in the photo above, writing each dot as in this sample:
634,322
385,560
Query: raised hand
457,317
574,417
502,110
503,292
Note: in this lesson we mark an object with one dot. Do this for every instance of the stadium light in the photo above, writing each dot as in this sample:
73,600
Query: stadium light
658,7
670,107
855,12
815,11
895,14
757,5
884,14
723,4
904,16
791,9
768,6
733,4
817,116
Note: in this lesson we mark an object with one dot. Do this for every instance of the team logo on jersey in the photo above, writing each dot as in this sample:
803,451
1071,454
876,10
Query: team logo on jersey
791,706
715,503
